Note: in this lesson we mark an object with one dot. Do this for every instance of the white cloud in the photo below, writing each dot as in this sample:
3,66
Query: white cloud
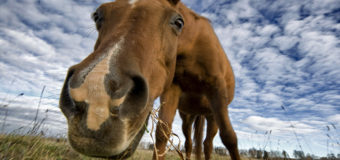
267,30
278,126
30,42
285,42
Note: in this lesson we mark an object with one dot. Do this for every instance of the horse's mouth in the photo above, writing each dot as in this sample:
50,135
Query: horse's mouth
131,148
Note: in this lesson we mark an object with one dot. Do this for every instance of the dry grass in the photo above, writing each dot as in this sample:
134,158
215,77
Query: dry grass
35,147
18,147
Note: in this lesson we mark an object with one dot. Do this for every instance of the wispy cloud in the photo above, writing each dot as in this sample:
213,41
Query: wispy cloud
283,54
280,126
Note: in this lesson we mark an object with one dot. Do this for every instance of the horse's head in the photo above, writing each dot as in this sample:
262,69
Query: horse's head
106,97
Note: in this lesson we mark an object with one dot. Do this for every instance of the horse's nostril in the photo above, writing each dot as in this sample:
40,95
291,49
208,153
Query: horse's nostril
139,86
69,74
137,98
81,106
66,103
114,111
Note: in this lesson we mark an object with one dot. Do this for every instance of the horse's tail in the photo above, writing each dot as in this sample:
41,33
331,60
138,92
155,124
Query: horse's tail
198,135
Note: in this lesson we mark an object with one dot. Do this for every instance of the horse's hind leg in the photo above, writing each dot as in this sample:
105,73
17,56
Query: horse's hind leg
211,132
169,102
227,134
187,121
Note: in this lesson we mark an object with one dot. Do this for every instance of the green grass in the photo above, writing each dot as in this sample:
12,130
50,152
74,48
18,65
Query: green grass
18,147
35,147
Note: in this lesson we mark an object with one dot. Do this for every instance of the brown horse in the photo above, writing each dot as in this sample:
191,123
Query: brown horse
198,120
108,96
203,72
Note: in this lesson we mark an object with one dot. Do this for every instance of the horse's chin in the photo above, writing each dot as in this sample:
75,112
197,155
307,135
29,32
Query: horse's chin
126,153
133,145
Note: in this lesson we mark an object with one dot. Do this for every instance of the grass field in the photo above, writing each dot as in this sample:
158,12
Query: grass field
18,147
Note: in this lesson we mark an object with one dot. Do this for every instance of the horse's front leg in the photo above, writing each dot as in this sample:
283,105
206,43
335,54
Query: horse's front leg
169,103
219,102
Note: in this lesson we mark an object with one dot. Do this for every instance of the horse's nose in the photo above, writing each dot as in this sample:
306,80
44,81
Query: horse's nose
123,96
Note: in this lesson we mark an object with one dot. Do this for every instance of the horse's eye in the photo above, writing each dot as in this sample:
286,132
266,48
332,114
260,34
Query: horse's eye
179,23
97,18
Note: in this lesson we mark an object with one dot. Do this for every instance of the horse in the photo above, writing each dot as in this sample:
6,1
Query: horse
203,72
108,96
188,119
144,51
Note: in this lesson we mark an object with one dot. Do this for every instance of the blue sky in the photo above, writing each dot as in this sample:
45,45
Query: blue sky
285,55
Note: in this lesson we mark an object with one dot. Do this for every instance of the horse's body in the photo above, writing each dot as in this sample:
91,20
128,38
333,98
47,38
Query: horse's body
204,77
141,54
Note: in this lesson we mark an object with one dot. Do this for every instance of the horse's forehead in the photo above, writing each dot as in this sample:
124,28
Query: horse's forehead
130,4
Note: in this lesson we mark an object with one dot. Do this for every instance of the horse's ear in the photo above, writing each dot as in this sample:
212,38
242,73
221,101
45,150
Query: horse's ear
173,2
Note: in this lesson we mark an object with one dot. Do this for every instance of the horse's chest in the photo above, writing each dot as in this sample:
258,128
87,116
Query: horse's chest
189,82
189,76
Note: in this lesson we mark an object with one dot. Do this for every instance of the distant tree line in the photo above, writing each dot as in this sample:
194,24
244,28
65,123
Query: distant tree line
260,154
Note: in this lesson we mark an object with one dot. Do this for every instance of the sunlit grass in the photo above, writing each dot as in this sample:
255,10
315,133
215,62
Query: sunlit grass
19,147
